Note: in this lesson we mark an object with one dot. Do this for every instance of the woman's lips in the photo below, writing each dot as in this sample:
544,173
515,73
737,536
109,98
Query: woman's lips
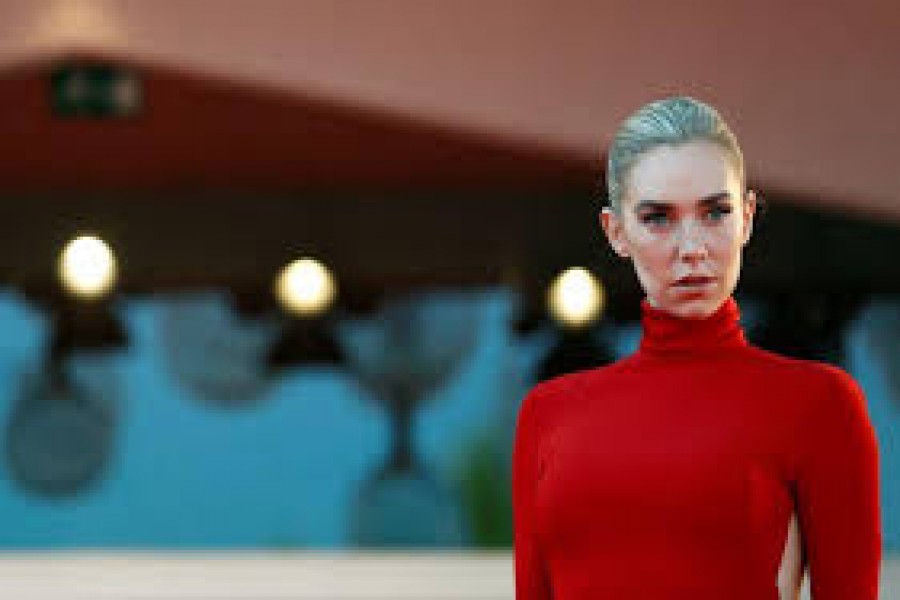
694,281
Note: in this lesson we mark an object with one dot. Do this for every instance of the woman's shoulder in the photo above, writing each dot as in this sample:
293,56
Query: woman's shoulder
823,382
788,365
567,388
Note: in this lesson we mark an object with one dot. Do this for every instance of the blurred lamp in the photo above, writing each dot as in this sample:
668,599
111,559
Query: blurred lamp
575,298
305,288
87,268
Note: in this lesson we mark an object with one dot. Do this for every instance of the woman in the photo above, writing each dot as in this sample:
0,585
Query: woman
699,467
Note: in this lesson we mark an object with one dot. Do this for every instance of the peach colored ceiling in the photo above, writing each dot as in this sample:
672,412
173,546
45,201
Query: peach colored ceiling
811,88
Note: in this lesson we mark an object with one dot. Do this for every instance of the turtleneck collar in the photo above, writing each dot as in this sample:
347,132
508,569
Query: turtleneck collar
665,333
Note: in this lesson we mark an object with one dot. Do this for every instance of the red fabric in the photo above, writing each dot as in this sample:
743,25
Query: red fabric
673,473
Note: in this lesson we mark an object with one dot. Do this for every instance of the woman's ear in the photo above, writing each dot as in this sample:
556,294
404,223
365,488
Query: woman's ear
748,210
612,227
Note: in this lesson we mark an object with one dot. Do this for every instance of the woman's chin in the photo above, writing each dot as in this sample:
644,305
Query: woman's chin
695,307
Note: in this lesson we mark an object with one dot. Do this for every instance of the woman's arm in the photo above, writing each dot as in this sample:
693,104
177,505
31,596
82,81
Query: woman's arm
531,580
838,495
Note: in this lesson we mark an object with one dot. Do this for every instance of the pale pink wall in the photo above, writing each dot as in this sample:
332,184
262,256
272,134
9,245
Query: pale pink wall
811,88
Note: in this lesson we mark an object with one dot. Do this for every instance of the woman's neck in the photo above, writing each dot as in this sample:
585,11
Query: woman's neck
664,333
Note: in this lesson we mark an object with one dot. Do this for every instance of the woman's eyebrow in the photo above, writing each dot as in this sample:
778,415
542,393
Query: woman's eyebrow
659,205
713,198
651,204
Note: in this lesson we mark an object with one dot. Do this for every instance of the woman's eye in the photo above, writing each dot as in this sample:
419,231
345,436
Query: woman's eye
655,218
716,213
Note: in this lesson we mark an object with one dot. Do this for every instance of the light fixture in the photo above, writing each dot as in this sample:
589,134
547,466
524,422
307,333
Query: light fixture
575,298
87,268
305,288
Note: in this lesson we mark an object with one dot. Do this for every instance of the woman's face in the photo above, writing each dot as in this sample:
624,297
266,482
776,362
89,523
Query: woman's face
683,223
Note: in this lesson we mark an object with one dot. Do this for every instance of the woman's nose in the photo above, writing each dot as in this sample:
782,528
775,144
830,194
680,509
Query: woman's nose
691,245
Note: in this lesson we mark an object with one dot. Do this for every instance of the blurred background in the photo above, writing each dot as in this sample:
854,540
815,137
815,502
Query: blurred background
275,275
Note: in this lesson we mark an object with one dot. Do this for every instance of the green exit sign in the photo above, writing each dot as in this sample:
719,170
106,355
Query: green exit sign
95,90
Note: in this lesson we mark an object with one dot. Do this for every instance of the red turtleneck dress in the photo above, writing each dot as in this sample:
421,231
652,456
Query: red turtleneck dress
674,473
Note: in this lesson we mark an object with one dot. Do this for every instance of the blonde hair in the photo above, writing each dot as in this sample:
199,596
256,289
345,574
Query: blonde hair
669,121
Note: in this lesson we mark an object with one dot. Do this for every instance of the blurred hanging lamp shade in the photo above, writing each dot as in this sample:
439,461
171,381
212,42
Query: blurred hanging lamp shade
87,271
306,291
575,300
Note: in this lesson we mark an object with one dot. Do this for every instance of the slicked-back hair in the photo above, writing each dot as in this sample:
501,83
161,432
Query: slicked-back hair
670,121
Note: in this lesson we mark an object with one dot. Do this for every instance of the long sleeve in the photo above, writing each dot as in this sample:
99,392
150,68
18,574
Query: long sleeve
838,495
531,580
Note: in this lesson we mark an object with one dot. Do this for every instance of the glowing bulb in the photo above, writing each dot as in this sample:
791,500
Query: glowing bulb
87,267
575,298
305,287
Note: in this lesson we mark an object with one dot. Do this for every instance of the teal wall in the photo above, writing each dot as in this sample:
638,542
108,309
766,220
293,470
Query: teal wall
286,470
